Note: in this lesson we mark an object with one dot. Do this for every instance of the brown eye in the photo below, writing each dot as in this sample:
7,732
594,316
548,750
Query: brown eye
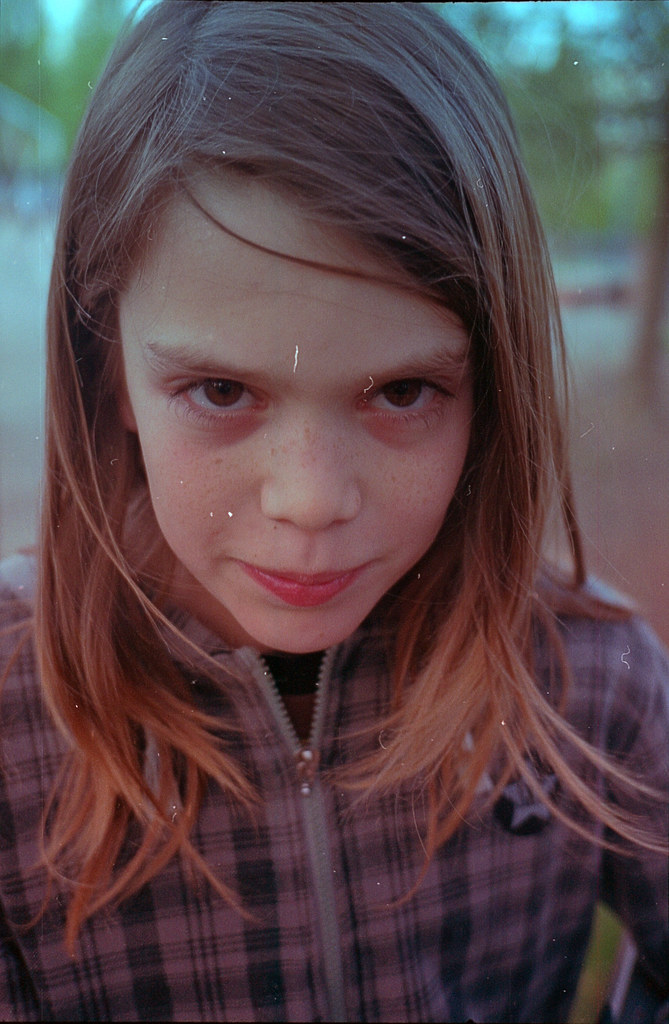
222,393
403,393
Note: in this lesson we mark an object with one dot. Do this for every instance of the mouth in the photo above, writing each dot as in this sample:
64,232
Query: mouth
304,590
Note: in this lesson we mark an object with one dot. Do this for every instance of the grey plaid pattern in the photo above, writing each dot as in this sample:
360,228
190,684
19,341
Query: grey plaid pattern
496,932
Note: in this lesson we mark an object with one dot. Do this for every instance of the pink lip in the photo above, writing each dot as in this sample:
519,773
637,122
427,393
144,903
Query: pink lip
301,589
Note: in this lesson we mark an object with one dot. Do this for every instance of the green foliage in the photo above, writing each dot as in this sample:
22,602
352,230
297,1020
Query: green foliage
71,79
595,978
588,85
55,76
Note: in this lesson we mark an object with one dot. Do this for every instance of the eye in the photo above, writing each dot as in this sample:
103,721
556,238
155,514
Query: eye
220,394
403,393
409,393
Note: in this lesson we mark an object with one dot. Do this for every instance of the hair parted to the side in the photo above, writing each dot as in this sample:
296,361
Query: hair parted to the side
377,119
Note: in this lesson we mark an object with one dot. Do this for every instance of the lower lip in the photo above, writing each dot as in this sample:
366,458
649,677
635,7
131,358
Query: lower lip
298,591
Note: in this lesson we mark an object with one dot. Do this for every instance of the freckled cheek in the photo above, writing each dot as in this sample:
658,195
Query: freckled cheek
194,489
417,511
420,488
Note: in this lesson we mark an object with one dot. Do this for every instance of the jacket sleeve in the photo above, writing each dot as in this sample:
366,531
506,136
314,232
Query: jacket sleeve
634,884
19,999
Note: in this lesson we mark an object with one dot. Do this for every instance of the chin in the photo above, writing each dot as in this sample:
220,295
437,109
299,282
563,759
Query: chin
299,632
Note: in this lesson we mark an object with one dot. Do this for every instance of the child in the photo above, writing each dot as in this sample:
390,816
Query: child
306,727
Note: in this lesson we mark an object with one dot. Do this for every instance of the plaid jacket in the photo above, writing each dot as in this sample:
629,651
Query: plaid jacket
497,930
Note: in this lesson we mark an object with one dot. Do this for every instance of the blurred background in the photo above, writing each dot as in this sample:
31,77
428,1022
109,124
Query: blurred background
589,86
588,83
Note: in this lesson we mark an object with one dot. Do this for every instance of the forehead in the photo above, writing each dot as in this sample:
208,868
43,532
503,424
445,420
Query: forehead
237,266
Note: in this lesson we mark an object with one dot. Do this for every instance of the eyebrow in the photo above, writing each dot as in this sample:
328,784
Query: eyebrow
179,359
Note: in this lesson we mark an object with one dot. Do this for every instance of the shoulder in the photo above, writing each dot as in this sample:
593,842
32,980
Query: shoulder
618,693
31,747
603,639
623,654
22,710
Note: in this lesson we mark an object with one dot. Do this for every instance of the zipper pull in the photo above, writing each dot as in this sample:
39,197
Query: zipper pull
307,766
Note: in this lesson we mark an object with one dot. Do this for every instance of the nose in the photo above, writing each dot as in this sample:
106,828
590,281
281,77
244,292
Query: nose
311,479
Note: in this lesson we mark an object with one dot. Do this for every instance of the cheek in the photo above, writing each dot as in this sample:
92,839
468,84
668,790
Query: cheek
417,495
184,484
437,469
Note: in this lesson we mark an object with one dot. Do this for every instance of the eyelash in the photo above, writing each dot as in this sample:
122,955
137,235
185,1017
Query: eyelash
397,415
188,409
400,411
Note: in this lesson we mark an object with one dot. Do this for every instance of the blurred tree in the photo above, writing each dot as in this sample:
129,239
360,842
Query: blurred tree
71,75
588,83
642,67
589,88
53,74
21,42
550,89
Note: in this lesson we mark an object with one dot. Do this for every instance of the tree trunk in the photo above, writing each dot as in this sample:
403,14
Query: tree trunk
648,349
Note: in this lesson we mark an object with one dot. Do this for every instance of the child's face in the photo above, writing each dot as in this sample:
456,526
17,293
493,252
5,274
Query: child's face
302,431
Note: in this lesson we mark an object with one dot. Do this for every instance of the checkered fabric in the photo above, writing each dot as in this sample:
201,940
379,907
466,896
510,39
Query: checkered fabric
497,930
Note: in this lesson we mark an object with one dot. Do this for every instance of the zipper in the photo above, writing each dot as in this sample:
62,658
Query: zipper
314,821
307,761
307,756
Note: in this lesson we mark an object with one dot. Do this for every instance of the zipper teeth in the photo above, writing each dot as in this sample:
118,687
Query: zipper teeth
281,708
315,829
313,739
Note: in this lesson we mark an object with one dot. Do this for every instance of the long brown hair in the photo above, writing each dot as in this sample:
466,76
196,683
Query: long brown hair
379,120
